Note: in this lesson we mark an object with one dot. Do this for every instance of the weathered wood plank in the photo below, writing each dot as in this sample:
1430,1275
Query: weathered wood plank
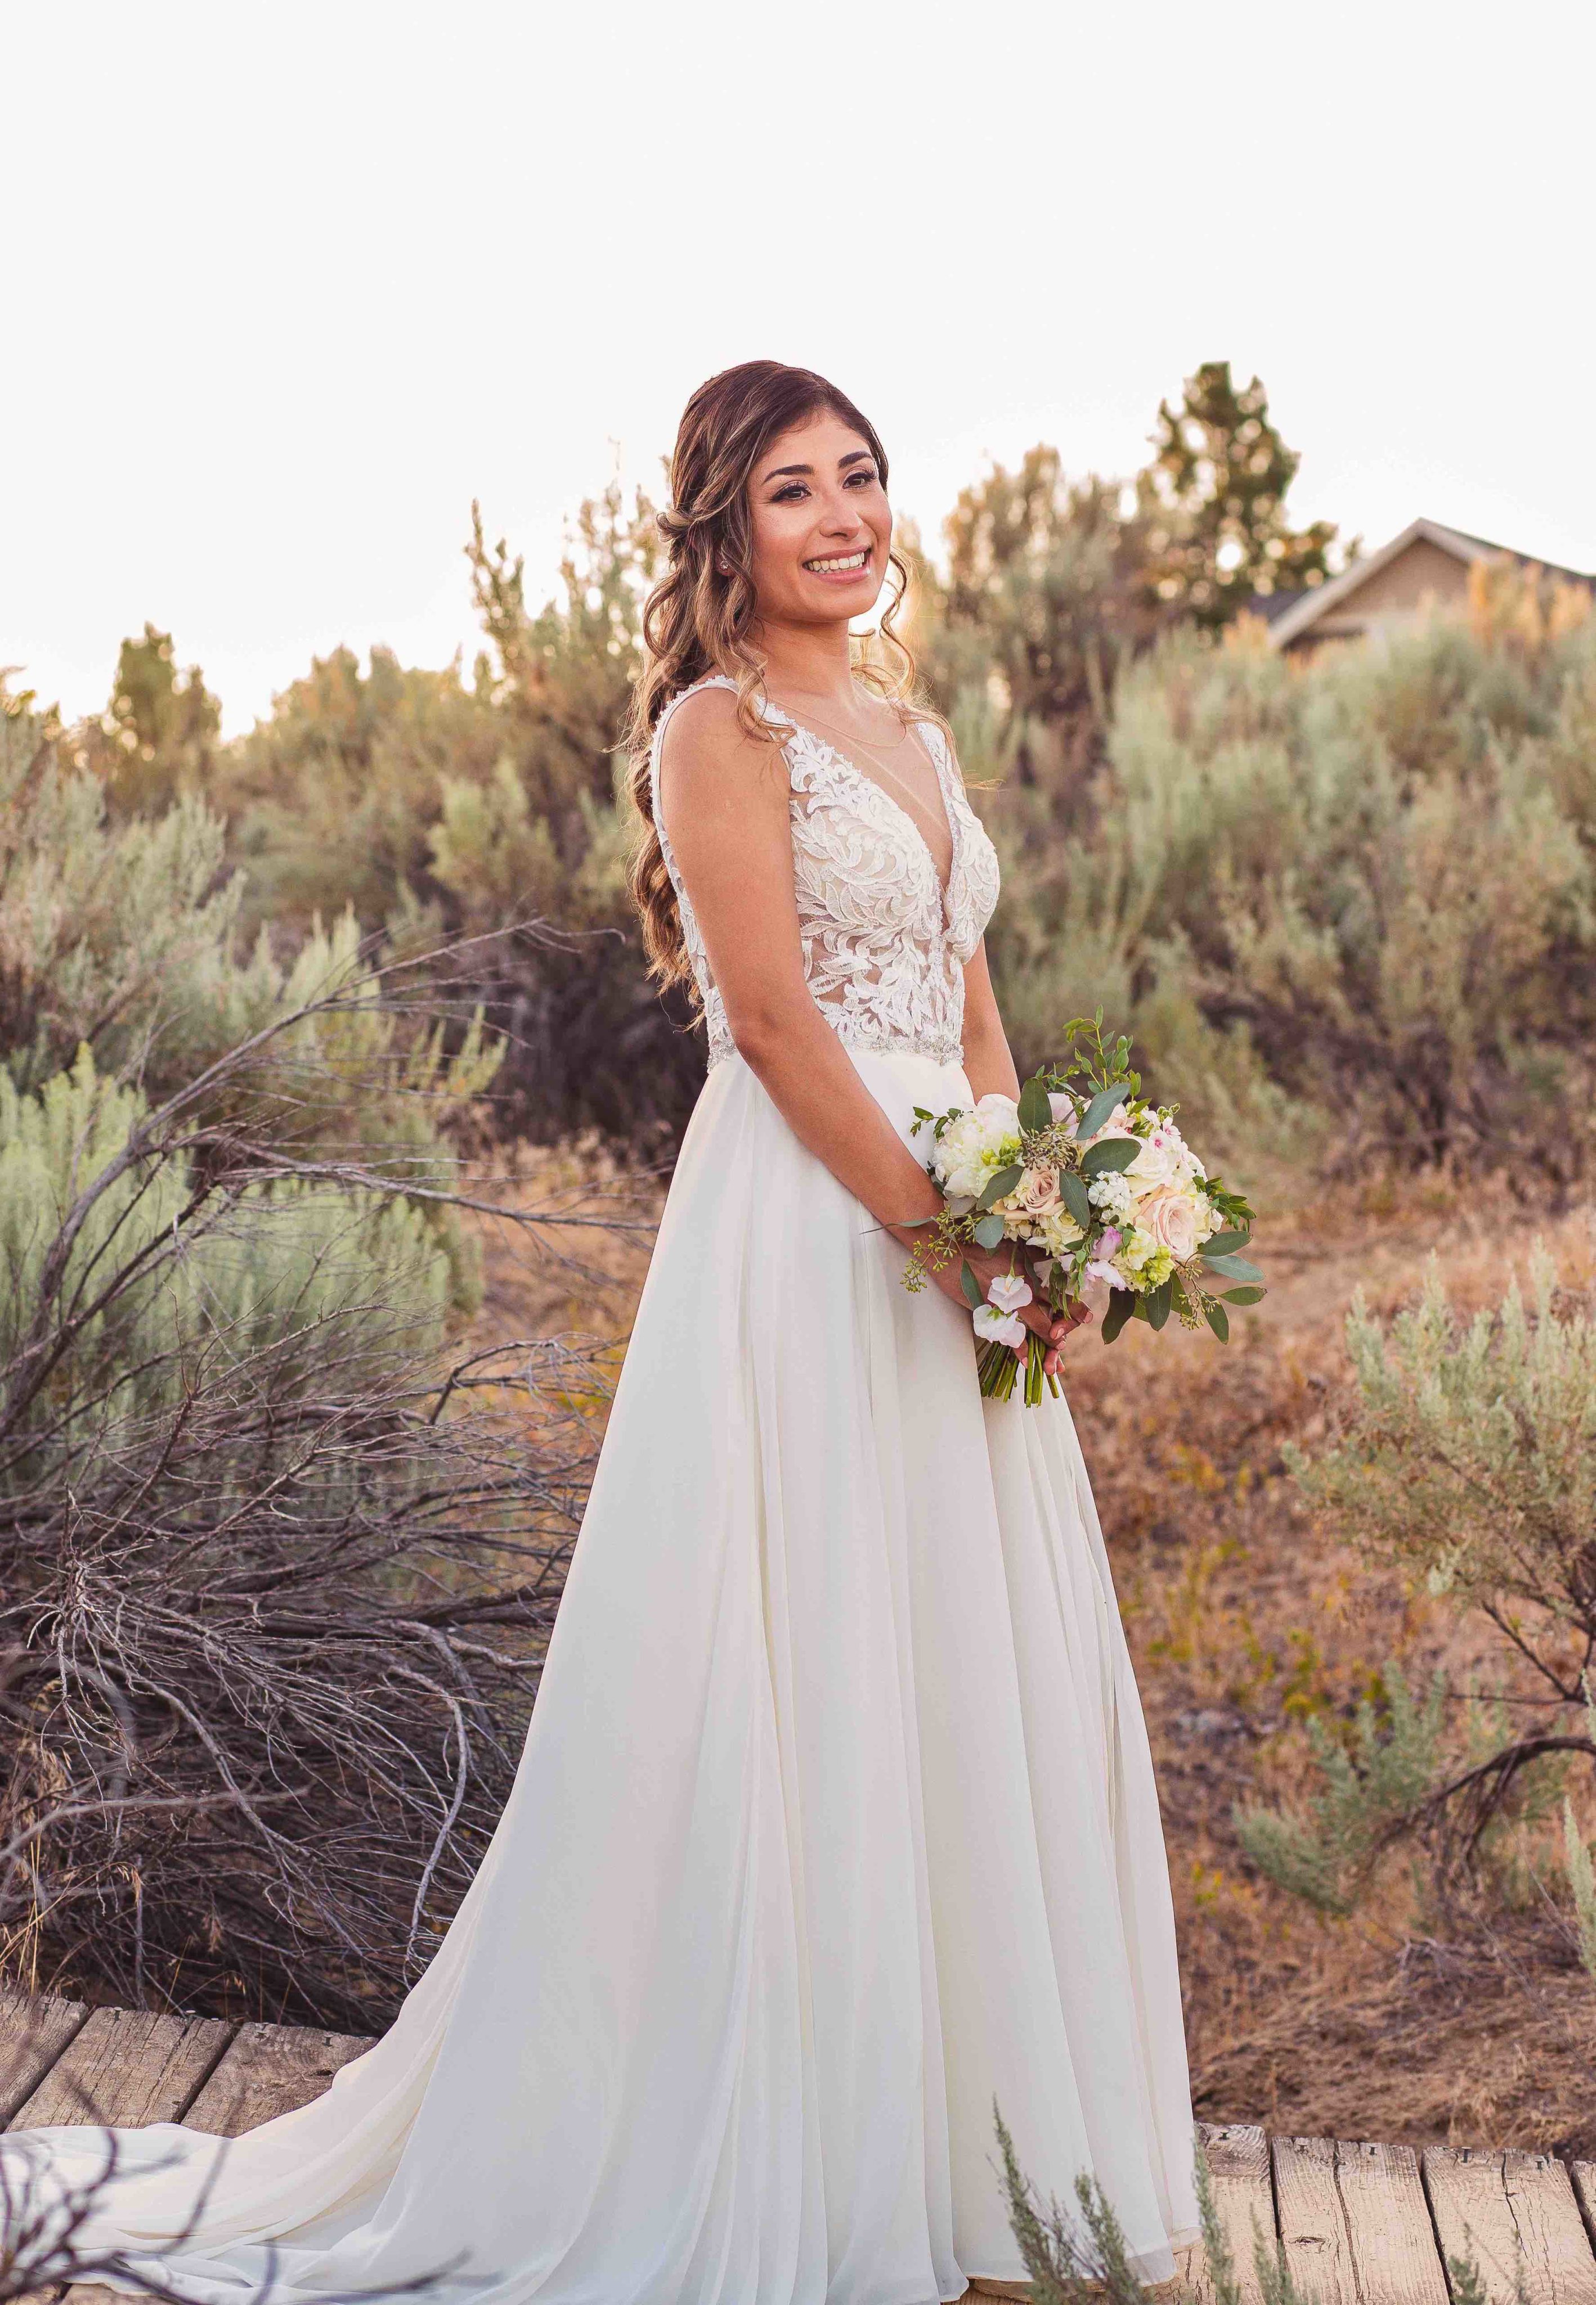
1355,2223
34,2030
126,2067
1238,2160
270,2069
1313,2230
1394,2251
1496,2206
1584,2173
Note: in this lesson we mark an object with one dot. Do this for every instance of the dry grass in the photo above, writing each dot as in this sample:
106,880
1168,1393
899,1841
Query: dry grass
1468,2027
546,1283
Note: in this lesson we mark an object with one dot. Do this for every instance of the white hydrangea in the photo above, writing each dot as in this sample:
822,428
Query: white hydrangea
972,1149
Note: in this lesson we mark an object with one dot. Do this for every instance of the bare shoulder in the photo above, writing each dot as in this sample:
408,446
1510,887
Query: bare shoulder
706,717
708,758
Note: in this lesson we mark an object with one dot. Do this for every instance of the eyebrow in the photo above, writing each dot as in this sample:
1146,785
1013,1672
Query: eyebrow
855,456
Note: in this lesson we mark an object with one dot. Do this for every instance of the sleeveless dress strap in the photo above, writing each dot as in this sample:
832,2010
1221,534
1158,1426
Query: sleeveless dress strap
711,680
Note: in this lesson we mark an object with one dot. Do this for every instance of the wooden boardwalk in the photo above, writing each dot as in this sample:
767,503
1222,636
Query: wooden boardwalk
1360,2224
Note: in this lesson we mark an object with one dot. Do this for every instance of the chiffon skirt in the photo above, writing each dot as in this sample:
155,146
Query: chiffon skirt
835,1826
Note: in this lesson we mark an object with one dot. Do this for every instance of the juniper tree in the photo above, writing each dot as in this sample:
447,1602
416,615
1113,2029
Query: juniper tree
1214,497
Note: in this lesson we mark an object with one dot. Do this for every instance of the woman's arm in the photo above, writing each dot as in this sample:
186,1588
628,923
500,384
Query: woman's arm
987,1064
724,798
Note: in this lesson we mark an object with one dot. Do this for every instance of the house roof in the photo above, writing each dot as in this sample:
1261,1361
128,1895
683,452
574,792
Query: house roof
1272,606
1306,611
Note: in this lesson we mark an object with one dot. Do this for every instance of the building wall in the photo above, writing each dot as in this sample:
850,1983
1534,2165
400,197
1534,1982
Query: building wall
1422,579
1404,586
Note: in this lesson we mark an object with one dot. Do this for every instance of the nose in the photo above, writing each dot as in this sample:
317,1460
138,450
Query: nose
839,515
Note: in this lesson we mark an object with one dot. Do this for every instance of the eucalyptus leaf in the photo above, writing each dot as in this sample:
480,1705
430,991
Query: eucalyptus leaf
1003,1182
961,1204
1231,1268
1243,1295
1035,1112
989,1232
1116,1313
1103,1107
1158,1302
1071,1191
1139,1309
971,1289
1115,1156
1218,1320
1224,1244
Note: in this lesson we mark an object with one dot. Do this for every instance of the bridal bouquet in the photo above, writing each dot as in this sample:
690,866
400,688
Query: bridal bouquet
1093,1184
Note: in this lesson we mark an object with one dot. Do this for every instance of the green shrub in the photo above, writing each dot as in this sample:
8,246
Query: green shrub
1465,1467
1347,907
1372,1789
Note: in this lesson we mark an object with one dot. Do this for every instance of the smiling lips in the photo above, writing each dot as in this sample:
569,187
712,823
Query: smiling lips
847,565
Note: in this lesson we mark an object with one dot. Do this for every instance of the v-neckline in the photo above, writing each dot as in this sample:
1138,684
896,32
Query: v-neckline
949,814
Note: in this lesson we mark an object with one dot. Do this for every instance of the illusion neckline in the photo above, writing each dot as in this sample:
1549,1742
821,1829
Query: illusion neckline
949,813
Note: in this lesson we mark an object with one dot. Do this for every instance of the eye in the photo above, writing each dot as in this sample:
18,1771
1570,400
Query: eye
791,493
862,476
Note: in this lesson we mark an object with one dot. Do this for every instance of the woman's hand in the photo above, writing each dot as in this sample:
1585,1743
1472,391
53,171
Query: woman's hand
989,1264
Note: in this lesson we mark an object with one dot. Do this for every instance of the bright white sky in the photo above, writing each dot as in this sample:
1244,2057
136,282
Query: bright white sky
287,285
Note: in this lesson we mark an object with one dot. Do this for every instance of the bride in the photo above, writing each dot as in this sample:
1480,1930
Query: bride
835,1822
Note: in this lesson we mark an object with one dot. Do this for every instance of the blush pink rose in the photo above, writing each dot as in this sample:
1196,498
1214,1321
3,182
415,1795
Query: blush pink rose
1169,1217
1035,1195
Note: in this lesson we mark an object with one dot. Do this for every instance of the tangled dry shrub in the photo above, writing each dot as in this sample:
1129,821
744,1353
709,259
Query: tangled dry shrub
276,1568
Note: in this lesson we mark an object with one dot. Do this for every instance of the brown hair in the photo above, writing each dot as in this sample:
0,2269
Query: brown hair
699,619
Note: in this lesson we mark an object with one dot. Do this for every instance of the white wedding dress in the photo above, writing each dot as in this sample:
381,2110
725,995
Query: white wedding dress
835,1822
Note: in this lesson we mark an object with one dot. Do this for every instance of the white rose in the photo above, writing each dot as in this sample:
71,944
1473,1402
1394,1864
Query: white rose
1159,1161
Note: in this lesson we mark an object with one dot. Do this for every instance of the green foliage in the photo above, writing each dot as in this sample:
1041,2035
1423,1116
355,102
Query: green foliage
1214,497
276,1262
1371,1786
1464,1463
1469,1455
1083,2259
1348,909
157,737
329,800
433,809
1066,2262
1045,602
106,927
1469,2286
118,946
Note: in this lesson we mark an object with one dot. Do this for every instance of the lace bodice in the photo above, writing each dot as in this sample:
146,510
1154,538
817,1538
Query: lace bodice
884,948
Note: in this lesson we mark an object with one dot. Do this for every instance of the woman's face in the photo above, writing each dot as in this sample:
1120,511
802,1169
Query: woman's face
822,527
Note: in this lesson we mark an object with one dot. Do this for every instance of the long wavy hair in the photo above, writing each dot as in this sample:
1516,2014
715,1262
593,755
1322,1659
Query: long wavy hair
701,617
